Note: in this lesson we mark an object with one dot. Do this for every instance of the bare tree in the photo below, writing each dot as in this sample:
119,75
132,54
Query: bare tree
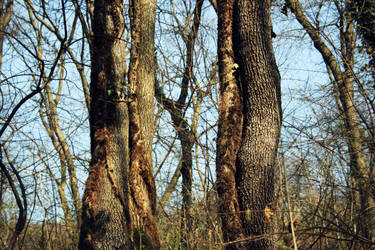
41,75
343,78
185,132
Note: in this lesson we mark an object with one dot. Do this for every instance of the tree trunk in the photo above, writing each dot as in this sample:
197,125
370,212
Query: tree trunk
230,128
6,10
142,199
60,144
105,215
249,123
259,79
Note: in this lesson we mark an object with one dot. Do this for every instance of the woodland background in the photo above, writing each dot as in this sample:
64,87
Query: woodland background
326,156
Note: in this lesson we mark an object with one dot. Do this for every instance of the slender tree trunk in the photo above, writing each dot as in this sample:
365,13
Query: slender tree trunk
61,181
6,10
105,216
230,128
260,85
361,175
184,131
170,188
142,199
186,138
59,141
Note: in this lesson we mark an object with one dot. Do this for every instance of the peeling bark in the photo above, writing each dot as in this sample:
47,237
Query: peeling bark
249,123
105,216
142,190
229,128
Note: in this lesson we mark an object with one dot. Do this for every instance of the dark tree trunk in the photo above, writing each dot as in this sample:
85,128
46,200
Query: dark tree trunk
249,123
260,87
106,220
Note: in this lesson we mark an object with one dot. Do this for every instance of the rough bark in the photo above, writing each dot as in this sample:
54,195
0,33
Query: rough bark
142,199
105,217
344,81
249,123
146,11
260,87
229,128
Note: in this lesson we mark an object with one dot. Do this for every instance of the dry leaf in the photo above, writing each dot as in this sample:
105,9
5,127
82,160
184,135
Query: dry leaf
268,214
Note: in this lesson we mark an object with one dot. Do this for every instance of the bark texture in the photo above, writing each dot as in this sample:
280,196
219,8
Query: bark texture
249,123
142,200
105,217
229,127
260,88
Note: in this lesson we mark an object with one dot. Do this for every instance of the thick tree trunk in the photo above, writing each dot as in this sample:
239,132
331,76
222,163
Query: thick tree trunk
105,216
230,128
249,123
260,85
120,197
